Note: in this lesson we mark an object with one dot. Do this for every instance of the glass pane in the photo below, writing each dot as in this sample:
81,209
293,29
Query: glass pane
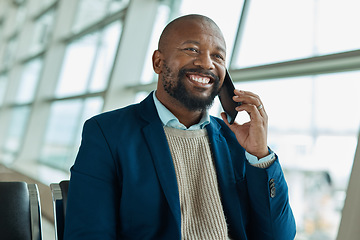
3,83
88,62
42,31
9,52
162,17
1,31
313,127
275,31
290,30
104,59
63,122
89,11
226,15
91,107
45,3
76,70
62,133
20,15
29,81
340,33
337,94
294,95
116,5
16,130
49,2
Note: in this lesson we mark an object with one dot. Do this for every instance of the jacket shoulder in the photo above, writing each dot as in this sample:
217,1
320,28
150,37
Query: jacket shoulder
145,110
219,125
117,114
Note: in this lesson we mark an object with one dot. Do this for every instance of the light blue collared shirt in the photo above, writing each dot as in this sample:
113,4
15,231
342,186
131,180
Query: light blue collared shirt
168,119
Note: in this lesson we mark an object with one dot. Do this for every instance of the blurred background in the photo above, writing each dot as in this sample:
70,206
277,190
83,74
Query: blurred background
63,61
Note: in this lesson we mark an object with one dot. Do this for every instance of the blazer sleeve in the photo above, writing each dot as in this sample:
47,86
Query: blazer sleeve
271,215
93,196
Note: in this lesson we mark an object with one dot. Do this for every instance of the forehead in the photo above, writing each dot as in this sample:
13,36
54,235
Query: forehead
197,31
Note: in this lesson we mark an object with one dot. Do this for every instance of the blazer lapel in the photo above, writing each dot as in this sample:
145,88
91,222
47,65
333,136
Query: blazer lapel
222,158
156,140
226,180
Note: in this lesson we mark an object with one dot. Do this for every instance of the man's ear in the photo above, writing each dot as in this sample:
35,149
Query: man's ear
157,61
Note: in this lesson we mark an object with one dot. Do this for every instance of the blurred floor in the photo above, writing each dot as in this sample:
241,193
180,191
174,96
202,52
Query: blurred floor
9,175
48,230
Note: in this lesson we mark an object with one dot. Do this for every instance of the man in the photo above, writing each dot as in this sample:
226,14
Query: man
165,169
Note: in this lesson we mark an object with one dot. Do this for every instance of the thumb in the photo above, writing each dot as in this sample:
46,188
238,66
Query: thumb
231,126
224,117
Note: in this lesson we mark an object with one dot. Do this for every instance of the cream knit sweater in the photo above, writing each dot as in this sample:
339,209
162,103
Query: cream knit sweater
202,215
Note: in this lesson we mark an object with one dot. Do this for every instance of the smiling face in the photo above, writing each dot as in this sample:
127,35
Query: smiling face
190,63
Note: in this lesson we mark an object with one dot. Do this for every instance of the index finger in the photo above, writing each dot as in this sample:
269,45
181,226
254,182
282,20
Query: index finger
246,96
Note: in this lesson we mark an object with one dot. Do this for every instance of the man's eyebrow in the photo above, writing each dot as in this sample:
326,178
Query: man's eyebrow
198,43
191,41
221,49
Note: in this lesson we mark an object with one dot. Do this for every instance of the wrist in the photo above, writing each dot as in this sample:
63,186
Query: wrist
255,160
261,154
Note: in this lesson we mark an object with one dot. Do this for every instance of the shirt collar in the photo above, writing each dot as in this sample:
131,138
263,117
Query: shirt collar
168,119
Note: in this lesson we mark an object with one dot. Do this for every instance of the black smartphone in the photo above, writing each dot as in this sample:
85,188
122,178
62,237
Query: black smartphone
225,95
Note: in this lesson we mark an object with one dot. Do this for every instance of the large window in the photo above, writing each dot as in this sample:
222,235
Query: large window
62,62
9,52
162,17
313,128
84,77
20,112
1,29
15,133
88,62
3,83
29,82
282,30
20,16
44,4
42,31
313,125
91,11
64,130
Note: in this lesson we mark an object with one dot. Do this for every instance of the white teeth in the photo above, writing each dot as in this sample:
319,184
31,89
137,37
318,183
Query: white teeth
204,80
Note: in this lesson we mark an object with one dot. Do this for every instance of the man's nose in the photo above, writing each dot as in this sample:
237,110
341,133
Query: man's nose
204,61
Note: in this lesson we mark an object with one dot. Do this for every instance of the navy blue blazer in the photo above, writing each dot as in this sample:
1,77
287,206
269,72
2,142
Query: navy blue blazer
123,183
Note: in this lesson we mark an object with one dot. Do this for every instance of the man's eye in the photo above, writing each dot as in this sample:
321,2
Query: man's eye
219,56
191,49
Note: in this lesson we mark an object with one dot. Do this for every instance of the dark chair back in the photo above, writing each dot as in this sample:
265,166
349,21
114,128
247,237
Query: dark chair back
59,193
20,212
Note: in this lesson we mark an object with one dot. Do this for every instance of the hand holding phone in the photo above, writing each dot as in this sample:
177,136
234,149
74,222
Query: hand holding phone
226,98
